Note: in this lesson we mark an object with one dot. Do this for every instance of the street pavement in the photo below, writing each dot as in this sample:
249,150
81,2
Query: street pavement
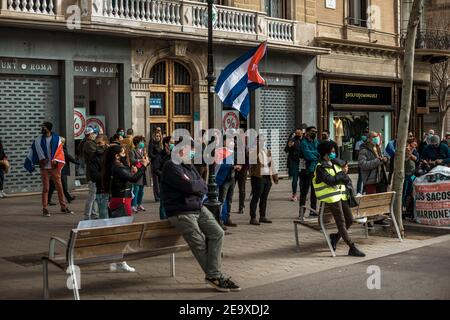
253,255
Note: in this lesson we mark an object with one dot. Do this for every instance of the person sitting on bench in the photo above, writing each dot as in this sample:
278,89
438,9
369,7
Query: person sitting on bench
330,180
183,191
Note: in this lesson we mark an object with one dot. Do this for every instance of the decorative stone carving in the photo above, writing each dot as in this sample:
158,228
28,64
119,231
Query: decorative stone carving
178,48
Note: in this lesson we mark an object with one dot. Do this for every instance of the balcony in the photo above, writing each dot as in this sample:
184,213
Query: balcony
170,19
433,39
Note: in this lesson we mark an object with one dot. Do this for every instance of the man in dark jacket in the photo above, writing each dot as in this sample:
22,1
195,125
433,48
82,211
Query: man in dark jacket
436,153
96,169
294,153
89,149
183,191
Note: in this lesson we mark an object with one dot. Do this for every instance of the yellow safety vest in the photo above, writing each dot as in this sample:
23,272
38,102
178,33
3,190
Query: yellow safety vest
326,193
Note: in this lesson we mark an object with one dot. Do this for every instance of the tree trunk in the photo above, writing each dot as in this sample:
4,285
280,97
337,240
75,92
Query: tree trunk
405,110
442,123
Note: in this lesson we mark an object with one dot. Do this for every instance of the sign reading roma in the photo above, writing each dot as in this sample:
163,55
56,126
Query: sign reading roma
432,197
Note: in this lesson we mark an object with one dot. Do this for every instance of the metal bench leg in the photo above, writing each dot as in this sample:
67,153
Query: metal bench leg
172,265
45,277
366,228
396,226
324,230
297,242
73,277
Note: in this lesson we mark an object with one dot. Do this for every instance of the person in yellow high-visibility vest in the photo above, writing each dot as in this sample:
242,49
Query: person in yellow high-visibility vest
330,182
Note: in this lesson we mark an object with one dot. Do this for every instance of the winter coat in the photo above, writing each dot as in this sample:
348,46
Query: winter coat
122,179
68,159
89,149
433,154
369,164
135,157
96,167
310,153
323,176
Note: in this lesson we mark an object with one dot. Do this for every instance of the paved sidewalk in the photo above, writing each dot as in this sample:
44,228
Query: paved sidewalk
253,255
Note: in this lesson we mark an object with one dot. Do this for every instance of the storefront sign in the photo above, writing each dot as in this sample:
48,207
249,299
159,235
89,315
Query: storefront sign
90,69
330,4
96,122
79,123
432,197
155,103
360,94
25,66
230,120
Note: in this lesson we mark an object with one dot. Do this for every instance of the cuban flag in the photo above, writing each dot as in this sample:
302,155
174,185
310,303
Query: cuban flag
239,78
39,151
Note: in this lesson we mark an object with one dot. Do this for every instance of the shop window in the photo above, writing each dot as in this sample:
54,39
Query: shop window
357,10
276,8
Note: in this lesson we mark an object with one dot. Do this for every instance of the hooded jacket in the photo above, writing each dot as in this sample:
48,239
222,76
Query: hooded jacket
369,164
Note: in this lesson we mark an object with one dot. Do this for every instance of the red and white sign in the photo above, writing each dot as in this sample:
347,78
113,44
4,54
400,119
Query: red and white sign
230,120
96,122
79,123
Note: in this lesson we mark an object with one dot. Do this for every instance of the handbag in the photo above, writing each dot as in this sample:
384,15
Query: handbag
352,203
4,165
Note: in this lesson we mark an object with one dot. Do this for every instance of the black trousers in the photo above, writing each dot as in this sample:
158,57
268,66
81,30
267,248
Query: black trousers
226,191
343,217
52,188
260,193
241,179
306,184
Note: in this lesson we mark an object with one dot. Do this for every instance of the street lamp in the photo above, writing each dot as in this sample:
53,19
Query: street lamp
212,203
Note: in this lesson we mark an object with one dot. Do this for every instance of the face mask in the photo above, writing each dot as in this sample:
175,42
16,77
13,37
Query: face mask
332,155
313,135
364,138
324,138
123,159
376,140
171,146
44,131
122,134
192,154
141,145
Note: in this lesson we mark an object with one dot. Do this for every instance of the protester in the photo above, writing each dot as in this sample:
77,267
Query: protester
372,165
137,154
389,152
96,169
435,153
326,138
242,174
155,149
157,167
117,177
330,182
183,191
202,167
121,133
261,176
65,172
425,141
447,139
225,179
89,149
358,144
4,167
294,153
127,142
116,139
47,150
411,161
309,151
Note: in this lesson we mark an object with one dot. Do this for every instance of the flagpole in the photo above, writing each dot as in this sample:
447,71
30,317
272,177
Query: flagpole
212,203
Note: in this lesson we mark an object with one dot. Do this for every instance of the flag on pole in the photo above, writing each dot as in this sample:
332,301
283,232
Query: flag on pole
39,151
241,77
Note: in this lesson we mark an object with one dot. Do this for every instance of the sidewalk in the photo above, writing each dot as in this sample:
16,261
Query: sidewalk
253,255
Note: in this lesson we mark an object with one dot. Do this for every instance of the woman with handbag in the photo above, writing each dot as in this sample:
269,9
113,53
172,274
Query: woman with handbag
118,178
4,168
330,184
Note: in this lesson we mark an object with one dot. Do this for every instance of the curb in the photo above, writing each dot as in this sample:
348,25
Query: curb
423,228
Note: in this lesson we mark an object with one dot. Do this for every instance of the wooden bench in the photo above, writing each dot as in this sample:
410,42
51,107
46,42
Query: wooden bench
369,207
108,244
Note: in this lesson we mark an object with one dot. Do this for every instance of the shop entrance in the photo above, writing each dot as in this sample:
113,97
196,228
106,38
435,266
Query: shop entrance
171,97
346,129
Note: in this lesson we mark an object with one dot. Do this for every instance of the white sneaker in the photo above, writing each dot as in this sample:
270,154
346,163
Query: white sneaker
4,194
358,195
1,194
121,267
135,210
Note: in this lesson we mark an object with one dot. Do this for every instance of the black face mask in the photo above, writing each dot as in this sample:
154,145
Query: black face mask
44,131
124,160
313,135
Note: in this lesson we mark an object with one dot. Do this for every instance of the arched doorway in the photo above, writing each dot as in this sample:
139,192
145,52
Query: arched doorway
171,97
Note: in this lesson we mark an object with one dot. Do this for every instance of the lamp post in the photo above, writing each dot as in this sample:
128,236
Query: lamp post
212,203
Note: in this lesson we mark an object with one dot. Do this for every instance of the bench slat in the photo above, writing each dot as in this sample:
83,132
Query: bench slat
374,203
370,212
114,238
134,227
128,247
